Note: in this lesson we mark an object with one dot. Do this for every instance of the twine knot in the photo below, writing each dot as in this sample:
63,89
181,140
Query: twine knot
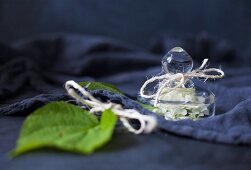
166,80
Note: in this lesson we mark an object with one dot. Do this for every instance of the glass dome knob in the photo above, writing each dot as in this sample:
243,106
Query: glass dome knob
177,60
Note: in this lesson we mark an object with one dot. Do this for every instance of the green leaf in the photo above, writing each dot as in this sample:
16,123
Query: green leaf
63,126
146,106
100,86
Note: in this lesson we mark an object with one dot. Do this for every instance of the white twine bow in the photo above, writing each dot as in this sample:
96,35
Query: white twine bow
181,78
147,123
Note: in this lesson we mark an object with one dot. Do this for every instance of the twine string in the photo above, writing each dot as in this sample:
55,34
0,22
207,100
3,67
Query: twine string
180,79
147,123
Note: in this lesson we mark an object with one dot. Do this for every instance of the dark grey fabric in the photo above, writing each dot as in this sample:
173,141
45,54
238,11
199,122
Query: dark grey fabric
126,151
33,73
39,64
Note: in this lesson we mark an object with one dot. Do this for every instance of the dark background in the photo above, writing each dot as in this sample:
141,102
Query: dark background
137,22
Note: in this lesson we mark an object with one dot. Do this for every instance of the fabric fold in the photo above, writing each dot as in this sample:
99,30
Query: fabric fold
33,73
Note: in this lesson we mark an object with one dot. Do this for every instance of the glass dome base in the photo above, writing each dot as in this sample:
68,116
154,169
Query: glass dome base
184,103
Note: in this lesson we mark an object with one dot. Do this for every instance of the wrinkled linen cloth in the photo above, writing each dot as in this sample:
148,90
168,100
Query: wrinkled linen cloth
34,71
